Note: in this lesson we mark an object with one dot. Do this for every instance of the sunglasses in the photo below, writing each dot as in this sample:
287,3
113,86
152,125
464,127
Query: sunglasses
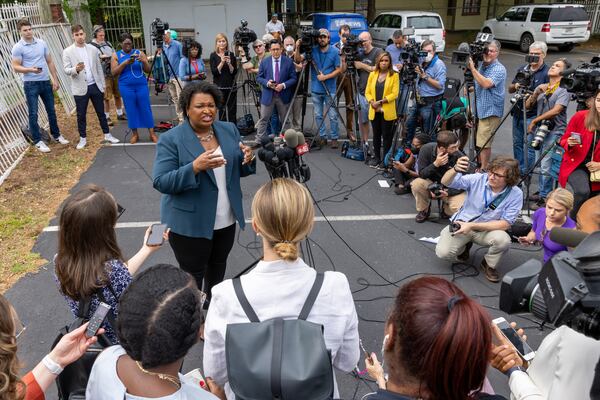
258,45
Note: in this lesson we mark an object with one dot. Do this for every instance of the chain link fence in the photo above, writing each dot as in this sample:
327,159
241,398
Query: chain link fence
13,104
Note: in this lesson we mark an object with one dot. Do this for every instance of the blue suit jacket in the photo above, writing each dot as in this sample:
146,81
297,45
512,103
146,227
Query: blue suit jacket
287,76
189,202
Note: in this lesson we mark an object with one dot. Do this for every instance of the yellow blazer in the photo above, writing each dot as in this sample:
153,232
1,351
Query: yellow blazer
390,92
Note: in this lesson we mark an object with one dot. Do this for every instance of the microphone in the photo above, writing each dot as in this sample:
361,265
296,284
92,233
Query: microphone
269,156
302,147
301,139
265,140
567,237
261,154
291,138
464,47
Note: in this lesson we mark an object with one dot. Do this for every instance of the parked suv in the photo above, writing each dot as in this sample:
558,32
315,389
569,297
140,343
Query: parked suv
562,25
427,25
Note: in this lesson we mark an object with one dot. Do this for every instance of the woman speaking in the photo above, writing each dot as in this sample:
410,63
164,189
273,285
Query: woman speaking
197,168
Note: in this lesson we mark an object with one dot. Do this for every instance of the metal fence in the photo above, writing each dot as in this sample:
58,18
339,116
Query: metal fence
593,9
13,104
123,16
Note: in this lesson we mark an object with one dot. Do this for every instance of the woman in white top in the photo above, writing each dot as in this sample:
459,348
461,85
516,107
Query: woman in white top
159,321
282,214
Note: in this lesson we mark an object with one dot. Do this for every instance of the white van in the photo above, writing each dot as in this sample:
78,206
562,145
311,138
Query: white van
428,25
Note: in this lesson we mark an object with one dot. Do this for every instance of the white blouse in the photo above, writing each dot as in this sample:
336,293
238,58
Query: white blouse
279,289
224,216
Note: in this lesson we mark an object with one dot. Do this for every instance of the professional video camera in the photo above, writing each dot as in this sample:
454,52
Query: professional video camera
582,81
475,50
350,49
308,39
283,156
157,31
541,132
566,291
523,79
411,56
243,36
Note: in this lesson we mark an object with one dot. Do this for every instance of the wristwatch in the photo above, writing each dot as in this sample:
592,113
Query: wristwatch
513,369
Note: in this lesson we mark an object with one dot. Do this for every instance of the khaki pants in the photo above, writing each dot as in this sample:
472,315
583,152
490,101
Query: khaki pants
449,246
486,127
296,113
174,92
423,198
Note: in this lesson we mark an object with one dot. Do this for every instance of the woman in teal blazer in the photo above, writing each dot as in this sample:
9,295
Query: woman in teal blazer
197,168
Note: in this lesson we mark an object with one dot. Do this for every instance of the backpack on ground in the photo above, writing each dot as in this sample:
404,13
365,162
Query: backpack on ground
454,106
44,136
278,359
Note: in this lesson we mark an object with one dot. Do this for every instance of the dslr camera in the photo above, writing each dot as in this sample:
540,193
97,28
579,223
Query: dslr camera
436,188
157,31
541,132
583,81
453,159
243,36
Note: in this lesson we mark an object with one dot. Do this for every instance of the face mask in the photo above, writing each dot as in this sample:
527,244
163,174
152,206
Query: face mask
289,48
429,57
414,150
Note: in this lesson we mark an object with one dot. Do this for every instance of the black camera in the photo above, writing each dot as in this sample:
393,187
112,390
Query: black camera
436,188
350,49
308,39
475,50
541,132
282,160
244,36
583,81
453,227
566,291
157,31
411,58
453,159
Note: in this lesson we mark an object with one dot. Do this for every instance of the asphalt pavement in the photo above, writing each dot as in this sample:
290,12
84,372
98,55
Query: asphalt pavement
363,230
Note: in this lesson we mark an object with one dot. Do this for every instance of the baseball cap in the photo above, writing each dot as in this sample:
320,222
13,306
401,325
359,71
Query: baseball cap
323,31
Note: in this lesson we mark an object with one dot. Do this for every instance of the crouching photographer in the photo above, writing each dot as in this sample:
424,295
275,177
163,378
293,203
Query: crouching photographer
433,162
492,205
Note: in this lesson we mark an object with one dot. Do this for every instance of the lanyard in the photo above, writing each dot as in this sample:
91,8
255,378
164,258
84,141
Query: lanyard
485,196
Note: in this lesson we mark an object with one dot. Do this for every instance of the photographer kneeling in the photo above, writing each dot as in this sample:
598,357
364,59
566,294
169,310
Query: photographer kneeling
493,203
432,164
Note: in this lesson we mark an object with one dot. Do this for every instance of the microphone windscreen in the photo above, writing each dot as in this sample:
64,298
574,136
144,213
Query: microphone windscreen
567,237
285,153
269,146
464,47
291,138
261,154
269,155
301,139
265,140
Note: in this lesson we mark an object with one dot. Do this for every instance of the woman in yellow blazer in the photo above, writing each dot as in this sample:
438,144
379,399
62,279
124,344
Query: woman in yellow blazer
381,93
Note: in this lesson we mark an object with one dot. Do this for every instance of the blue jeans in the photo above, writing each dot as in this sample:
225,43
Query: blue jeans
546,181
518,136
274,124
43,89
320,101
428,113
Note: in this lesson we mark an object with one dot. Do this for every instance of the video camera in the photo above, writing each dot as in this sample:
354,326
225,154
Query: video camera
582,81
475,50
411,56
308,39
283,156
350,49
244,36
157,31
566,291
524,78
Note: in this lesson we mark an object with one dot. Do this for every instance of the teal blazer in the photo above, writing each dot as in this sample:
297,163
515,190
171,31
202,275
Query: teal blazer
189,202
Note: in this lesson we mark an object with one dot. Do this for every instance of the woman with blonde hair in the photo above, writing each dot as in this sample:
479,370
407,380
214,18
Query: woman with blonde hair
223,66
282,215
556,214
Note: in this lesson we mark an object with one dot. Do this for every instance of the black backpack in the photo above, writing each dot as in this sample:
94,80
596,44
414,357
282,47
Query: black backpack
278,359
44,136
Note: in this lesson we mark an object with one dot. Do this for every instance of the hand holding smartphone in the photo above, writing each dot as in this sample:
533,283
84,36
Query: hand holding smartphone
156,236
509,333
576,137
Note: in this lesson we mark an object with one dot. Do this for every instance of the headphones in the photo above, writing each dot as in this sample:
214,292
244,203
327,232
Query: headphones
96,30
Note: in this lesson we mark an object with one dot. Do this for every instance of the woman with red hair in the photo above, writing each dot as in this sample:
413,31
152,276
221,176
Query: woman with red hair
437,345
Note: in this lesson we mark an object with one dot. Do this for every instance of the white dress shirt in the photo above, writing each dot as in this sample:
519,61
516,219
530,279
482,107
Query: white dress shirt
279,289
271,27
563,368
83,56
224,217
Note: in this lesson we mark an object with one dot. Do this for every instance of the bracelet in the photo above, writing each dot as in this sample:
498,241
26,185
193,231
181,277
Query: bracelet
52,365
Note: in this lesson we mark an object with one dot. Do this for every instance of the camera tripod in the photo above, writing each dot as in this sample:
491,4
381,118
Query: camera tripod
159,54
404,104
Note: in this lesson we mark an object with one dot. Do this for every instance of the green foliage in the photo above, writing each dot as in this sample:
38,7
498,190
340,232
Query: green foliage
67,9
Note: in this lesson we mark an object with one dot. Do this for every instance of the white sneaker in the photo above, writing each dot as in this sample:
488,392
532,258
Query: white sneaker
82,143
62,140
110,138
41,146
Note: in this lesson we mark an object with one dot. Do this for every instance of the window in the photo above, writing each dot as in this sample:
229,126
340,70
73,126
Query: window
377,21
424,22
471,7
564,14
451,8
385,21
509,15
396,22
540,14
521,14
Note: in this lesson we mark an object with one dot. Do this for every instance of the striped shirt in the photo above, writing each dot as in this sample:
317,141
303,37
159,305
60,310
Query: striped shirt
490,102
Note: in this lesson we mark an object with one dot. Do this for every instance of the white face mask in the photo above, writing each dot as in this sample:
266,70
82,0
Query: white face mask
429,57
289,48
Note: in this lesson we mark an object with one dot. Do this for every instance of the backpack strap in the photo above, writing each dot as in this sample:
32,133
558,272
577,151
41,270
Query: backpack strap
277,358
312,296
239,292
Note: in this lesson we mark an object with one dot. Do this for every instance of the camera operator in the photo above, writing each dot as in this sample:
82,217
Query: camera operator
489,89
396,49
345,81
289,44
174,52
365,65
430,88
492,205
432,165
552,102
324,69
582,154
539,71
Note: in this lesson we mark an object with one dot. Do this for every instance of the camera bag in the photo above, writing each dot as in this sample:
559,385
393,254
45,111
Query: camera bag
278,359
44,136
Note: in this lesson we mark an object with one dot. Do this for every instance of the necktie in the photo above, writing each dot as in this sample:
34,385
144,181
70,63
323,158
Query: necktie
277,70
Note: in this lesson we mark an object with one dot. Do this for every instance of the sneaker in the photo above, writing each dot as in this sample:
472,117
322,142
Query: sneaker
490,273
422,216
109,121
373,163
61,139
399,190
122,117
82,143
381,166
110,138
41,146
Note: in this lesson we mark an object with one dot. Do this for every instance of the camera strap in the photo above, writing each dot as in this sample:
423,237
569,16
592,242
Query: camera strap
495,203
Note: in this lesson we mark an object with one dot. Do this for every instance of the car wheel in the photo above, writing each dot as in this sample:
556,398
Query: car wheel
525,42
486,30
566,47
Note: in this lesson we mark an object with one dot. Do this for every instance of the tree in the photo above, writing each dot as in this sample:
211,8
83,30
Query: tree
371,10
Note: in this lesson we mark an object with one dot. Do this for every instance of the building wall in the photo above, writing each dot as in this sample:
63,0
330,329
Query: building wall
206,17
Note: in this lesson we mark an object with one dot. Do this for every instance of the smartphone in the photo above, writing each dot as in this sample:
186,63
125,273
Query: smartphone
195,376
576,136
39,69
508,331
97,319
156,235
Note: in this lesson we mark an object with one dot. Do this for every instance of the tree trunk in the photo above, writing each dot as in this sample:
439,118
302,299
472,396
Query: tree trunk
371,10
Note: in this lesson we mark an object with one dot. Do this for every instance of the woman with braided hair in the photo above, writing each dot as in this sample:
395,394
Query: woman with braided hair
159,321
282,215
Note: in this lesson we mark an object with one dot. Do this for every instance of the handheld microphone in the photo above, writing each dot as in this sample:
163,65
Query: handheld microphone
291,138
302,147
301,139
567,237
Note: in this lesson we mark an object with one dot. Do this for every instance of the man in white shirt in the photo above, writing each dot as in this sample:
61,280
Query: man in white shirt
275,27
81,62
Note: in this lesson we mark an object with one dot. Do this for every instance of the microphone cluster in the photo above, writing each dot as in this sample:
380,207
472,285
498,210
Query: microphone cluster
283,156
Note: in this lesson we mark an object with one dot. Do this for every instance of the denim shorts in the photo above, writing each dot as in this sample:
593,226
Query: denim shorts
363,113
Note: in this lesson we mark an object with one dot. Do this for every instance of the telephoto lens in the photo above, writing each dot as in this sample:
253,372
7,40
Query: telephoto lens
540,134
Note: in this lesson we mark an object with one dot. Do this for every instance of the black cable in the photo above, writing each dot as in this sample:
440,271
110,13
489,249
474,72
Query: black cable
124,146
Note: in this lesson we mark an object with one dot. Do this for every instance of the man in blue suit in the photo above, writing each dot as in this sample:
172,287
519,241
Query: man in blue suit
277,76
